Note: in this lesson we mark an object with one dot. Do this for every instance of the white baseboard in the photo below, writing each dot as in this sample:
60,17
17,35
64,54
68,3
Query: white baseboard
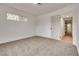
46,37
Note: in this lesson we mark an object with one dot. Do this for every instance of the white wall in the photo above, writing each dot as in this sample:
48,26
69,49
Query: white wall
43,26
77,22
44,22
13,30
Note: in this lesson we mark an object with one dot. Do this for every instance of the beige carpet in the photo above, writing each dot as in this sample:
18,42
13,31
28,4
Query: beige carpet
67,39
37,46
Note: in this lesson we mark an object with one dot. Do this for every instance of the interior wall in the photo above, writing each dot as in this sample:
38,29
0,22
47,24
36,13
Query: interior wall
44,23
77,32
14,30
74,25
43,26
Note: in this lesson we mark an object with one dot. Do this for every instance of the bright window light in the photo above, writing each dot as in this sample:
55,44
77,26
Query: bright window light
15,17
12,17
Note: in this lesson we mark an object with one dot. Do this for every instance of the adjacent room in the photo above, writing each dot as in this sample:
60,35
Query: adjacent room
39,29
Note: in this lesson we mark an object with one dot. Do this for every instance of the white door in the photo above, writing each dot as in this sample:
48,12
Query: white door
55,27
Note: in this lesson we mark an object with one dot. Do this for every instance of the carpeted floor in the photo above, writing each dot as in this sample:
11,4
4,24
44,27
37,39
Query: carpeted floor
67,39
37,46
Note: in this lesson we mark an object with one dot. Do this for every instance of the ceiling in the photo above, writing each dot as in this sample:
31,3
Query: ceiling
35,9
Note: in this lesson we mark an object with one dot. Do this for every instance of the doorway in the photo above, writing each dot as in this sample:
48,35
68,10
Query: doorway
68,30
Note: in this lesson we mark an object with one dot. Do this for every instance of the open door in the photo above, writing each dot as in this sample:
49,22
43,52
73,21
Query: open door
68,30
68,26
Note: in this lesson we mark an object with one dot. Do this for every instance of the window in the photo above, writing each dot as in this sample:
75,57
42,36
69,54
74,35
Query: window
15,17
12,17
